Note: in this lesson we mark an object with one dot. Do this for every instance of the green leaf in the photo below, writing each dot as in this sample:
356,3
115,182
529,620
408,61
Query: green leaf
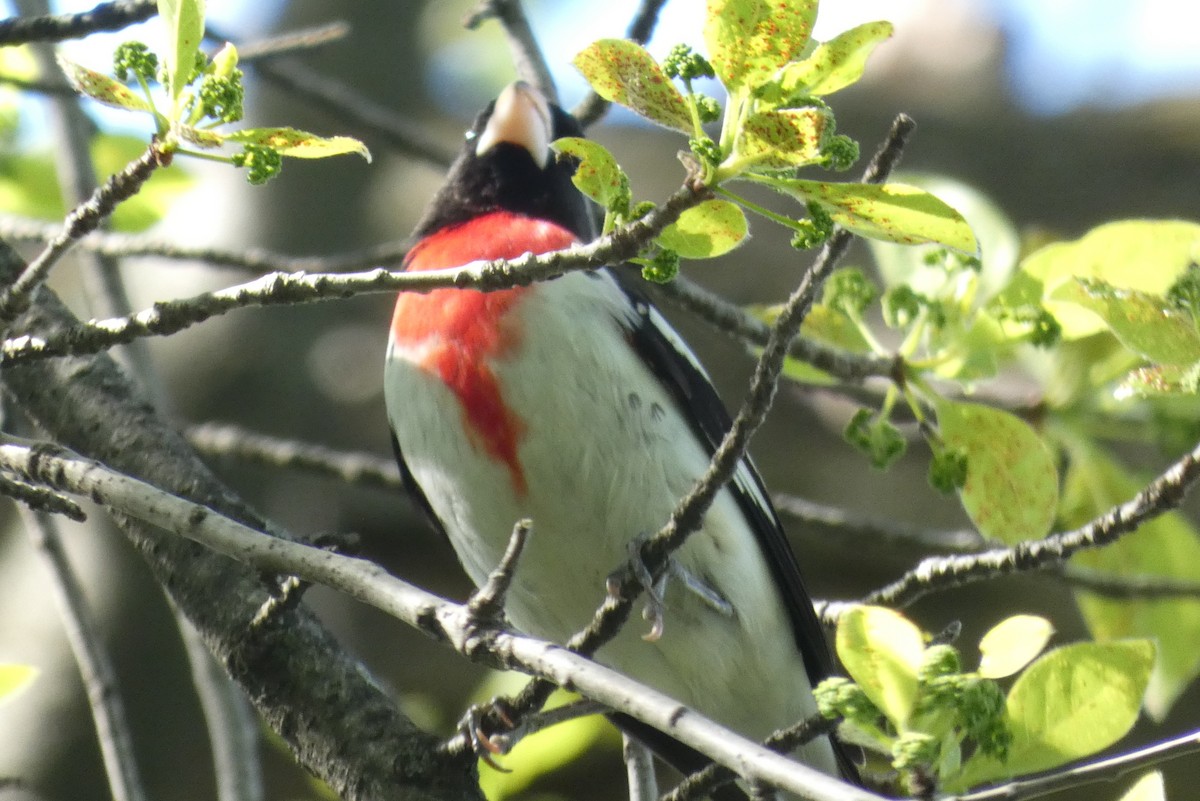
15,679
185,30
1071,703
299,144
1146,324
540,754
1011,491
707,230
891,212
999,244
1148,788
101,87
834,64
749,40
598,175
201,137
623,72
1159,380
882,651
1012,644
1146,255
1167,546
782,138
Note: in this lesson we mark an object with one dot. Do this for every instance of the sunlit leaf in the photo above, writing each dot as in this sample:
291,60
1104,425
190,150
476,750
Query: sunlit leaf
15,679
704,231
623,72
749,40
891,212
185,30
835,64
299,144
1146,255
1012,644
783,138
1158,380
1011,490
1167,546
1146,324
882,651
598,175
1148,788
544,752
101,87
1071,703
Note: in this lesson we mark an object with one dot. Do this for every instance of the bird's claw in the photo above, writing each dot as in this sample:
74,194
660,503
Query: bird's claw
655,608
475,725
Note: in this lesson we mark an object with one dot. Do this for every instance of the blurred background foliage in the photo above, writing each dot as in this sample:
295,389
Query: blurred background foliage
1066,114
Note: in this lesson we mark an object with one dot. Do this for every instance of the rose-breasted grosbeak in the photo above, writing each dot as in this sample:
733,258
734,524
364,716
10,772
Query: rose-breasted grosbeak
573,403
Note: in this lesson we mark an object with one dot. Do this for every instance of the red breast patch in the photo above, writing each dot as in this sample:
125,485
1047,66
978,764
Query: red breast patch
460,332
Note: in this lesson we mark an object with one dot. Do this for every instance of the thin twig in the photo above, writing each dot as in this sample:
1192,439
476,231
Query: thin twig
733,321
288,43
1104,770
641,28
522,44
169,317
879,529
57,27
487,602
230,441
253,260
82,220
41,499
639,769
95,665
1162,495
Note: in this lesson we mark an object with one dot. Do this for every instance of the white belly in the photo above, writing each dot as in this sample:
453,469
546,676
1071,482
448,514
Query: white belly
604,464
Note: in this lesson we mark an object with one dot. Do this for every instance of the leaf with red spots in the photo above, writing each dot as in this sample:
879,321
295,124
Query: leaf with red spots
889,212
102,88
598,175
710,229
1011,489
1147,324
783,138
834,64
623,72
749,40
299,144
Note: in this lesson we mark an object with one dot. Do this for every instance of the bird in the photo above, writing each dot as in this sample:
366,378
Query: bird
573,403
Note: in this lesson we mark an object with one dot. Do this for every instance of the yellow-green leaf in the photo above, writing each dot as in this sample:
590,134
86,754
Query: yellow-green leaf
1011,489
1146,255
185,30
705,231
1069,704
101,87
299,144
882,651
891,212
834,64
1148,788
1167,546
623,72
598,175
782,138
15,679
1146,324
1012,644
749,40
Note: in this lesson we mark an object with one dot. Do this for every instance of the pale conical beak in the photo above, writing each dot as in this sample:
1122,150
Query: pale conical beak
521,117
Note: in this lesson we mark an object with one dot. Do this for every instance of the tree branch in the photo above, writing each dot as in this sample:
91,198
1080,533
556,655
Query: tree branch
169,317
527,57
445,621
55,28
95,665
1162,495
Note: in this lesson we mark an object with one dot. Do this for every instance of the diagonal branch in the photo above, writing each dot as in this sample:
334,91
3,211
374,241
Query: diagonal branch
57,27
1162,495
